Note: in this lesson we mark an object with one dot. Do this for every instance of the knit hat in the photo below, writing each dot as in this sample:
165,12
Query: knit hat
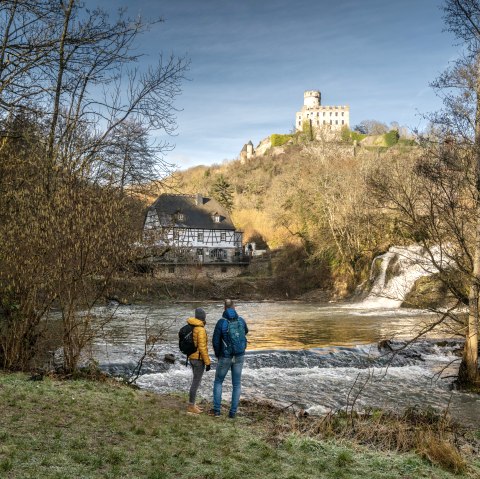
200,314
228,303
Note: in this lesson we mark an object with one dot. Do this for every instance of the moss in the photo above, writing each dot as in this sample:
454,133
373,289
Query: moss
427,292
279,140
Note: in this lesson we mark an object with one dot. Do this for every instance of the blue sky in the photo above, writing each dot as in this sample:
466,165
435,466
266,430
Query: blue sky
251,61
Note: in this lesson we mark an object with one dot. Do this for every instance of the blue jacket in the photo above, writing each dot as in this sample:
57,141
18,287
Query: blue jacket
220,334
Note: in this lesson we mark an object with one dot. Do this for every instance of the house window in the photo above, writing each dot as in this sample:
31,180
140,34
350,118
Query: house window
223,236
199,252
216,218
200,236
171,269
180,217
176,234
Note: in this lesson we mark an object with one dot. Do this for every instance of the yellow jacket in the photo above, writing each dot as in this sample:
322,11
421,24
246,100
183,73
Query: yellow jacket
200,340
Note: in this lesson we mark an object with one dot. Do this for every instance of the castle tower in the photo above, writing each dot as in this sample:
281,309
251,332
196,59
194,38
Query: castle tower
249,149
311,99
247,152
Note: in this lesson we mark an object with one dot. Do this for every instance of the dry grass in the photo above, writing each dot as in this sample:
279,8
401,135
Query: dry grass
432,436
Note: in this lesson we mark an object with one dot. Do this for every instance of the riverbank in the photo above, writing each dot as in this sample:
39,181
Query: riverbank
145,289
59,429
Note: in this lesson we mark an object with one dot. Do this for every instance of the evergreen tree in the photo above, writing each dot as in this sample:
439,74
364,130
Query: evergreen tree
222,191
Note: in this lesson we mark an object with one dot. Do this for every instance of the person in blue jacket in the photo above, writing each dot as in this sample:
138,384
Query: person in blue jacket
229,343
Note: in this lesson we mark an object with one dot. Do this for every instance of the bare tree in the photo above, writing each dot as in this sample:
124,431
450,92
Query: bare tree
71,72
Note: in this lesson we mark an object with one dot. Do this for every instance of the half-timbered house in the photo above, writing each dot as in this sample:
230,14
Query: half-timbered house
194,230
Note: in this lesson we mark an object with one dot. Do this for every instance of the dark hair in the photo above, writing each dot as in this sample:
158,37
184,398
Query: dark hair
228,303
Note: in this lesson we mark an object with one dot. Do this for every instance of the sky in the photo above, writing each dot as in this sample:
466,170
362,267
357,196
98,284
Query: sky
251,61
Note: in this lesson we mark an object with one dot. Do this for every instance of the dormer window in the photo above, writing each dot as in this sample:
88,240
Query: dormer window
216,218
180,217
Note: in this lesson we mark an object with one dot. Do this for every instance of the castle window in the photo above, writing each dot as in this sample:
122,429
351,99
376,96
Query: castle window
324,122
342,113
331,122
343,122
200,236
223,236
299,123
330,113
336,122
336,113
323,113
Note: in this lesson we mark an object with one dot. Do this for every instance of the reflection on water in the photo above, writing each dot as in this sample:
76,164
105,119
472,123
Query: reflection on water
302,353
285,325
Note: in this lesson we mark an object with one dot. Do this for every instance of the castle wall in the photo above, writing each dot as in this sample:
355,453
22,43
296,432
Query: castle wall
331,117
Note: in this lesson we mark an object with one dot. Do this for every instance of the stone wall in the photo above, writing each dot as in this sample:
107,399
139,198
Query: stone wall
192,271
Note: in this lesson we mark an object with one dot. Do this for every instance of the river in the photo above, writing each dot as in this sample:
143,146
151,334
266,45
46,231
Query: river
315,356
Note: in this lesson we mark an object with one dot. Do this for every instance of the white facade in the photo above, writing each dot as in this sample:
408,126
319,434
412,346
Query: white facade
329,117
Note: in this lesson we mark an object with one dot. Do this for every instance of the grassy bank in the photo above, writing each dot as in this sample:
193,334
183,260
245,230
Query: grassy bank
81,429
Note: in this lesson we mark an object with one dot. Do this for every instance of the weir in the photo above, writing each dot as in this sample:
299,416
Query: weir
394,273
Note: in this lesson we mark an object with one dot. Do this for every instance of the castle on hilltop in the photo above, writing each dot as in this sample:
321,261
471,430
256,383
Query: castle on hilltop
313,114
316,115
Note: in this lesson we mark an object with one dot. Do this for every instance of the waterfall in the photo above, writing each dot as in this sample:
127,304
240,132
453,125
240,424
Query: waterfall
394,273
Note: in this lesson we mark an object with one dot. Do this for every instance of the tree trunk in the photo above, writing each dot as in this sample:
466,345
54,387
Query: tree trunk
468,372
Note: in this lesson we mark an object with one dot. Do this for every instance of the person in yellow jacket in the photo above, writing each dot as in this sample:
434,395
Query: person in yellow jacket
200,360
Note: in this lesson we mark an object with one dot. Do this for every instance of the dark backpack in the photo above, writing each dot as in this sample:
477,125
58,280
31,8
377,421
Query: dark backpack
185,340
236,334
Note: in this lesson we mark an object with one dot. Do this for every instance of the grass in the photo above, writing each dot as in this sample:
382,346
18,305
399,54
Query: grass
81,429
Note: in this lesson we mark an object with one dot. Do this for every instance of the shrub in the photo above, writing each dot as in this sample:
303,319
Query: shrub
279,140
391,138
350,136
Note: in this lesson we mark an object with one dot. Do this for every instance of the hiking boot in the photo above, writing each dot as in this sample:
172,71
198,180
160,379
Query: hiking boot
232,415
214,413
192,409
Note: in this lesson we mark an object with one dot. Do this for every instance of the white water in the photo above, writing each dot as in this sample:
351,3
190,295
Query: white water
409,264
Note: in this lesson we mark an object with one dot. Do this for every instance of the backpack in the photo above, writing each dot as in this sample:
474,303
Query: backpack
185,340
236,334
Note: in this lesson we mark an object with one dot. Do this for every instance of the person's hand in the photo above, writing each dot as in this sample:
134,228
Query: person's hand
207,367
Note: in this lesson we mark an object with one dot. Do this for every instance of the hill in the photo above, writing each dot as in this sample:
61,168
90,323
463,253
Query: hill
309,195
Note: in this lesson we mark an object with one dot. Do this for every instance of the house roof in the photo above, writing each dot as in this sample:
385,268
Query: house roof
199,215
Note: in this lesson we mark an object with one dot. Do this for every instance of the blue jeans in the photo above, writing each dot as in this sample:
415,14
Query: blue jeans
235,364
